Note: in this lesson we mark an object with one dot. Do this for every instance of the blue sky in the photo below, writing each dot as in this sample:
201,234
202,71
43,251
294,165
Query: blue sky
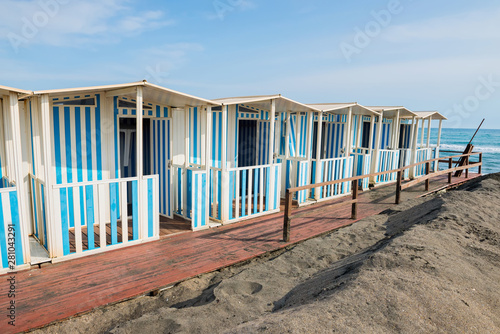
425,55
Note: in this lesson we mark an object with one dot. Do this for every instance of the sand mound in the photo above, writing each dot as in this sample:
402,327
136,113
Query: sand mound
428,265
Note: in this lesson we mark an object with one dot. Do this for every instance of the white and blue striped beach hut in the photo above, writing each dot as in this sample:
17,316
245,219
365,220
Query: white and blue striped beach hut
268,150
108,162
347,132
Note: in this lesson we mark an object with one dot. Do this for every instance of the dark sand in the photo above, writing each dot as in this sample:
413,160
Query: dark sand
430,265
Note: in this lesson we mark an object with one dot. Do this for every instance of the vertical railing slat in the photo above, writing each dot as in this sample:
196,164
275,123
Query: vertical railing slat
124,209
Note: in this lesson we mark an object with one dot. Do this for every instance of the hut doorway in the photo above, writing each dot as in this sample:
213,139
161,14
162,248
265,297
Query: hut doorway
247,143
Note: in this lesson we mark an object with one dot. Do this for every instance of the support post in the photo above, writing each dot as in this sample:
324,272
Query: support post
271,154
349,133
398,186
15,126
309,134
287,139
375,158
140,164
450,166
413,158
54,233
395,144
354,207
287,220
225,207
429,132
467,164
480,168
427,172
208,159
439,132
317,191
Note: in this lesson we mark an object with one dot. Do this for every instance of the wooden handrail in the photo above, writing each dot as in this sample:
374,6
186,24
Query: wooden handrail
399,186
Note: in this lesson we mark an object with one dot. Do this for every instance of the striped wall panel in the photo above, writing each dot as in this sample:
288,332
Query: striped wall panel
196,205
9,222
77,150
263,147
333,133
161,155
386,133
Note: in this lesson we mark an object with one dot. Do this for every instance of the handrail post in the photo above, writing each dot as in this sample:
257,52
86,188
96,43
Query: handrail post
287,220
480,168
354,209
450,166
398,186
427,172
467,169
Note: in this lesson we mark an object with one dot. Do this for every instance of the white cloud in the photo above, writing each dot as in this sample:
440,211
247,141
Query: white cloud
223,8
476,25
74,23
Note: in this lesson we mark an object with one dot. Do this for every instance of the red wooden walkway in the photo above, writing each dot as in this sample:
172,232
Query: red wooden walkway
61,290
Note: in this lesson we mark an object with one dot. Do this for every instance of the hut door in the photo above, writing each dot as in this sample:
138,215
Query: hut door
247,143
161,162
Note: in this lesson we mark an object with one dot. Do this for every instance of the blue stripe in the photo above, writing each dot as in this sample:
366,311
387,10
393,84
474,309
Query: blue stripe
57,144
64,221
89,200
14,213
195,202
150,208
164,172
255,190
243,191
98,136
3,237
195,136
203,220
117,167
135,212
88,140
268,202
114,214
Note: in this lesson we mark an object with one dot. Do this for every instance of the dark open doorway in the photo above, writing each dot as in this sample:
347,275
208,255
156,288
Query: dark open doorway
247,143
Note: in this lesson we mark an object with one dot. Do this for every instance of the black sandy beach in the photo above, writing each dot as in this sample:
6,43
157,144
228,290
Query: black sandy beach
429,265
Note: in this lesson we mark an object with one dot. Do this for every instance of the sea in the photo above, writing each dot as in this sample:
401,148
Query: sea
486,141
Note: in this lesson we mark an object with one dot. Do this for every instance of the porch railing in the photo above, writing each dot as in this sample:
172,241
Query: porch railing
250,192
387,160
97,215
333,169
297,174
405,160
422,154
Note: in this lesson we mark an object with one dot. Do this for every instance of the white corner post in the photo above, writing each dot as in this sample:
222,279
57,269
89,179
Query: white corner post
429,132
439,133
54,231
140,165
271,153
287,140
397,131
186,162
225,205
309,134
349,134
208,159
378,140
18,165
317,191
422,134
414,140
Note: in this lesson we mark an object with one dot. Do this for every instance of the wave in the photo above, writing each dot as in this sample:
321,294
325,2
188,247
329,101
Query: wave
484,149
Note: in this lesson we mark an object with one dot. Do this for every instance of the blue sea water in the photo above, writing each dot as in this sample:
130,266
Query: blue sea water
486,141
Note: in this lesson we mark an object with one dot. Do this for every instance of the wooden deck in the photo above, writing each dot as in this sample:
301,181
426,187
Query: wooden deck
58,291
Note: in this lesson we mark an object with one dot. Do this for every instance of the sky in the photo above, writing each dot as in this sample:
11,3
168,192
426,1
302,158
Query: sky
424,55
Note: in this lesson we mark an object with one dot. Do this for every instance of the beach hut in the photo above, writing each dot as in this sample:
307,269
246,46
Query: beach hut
424,149
110,162
14,227
393,144
268,149
343,144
